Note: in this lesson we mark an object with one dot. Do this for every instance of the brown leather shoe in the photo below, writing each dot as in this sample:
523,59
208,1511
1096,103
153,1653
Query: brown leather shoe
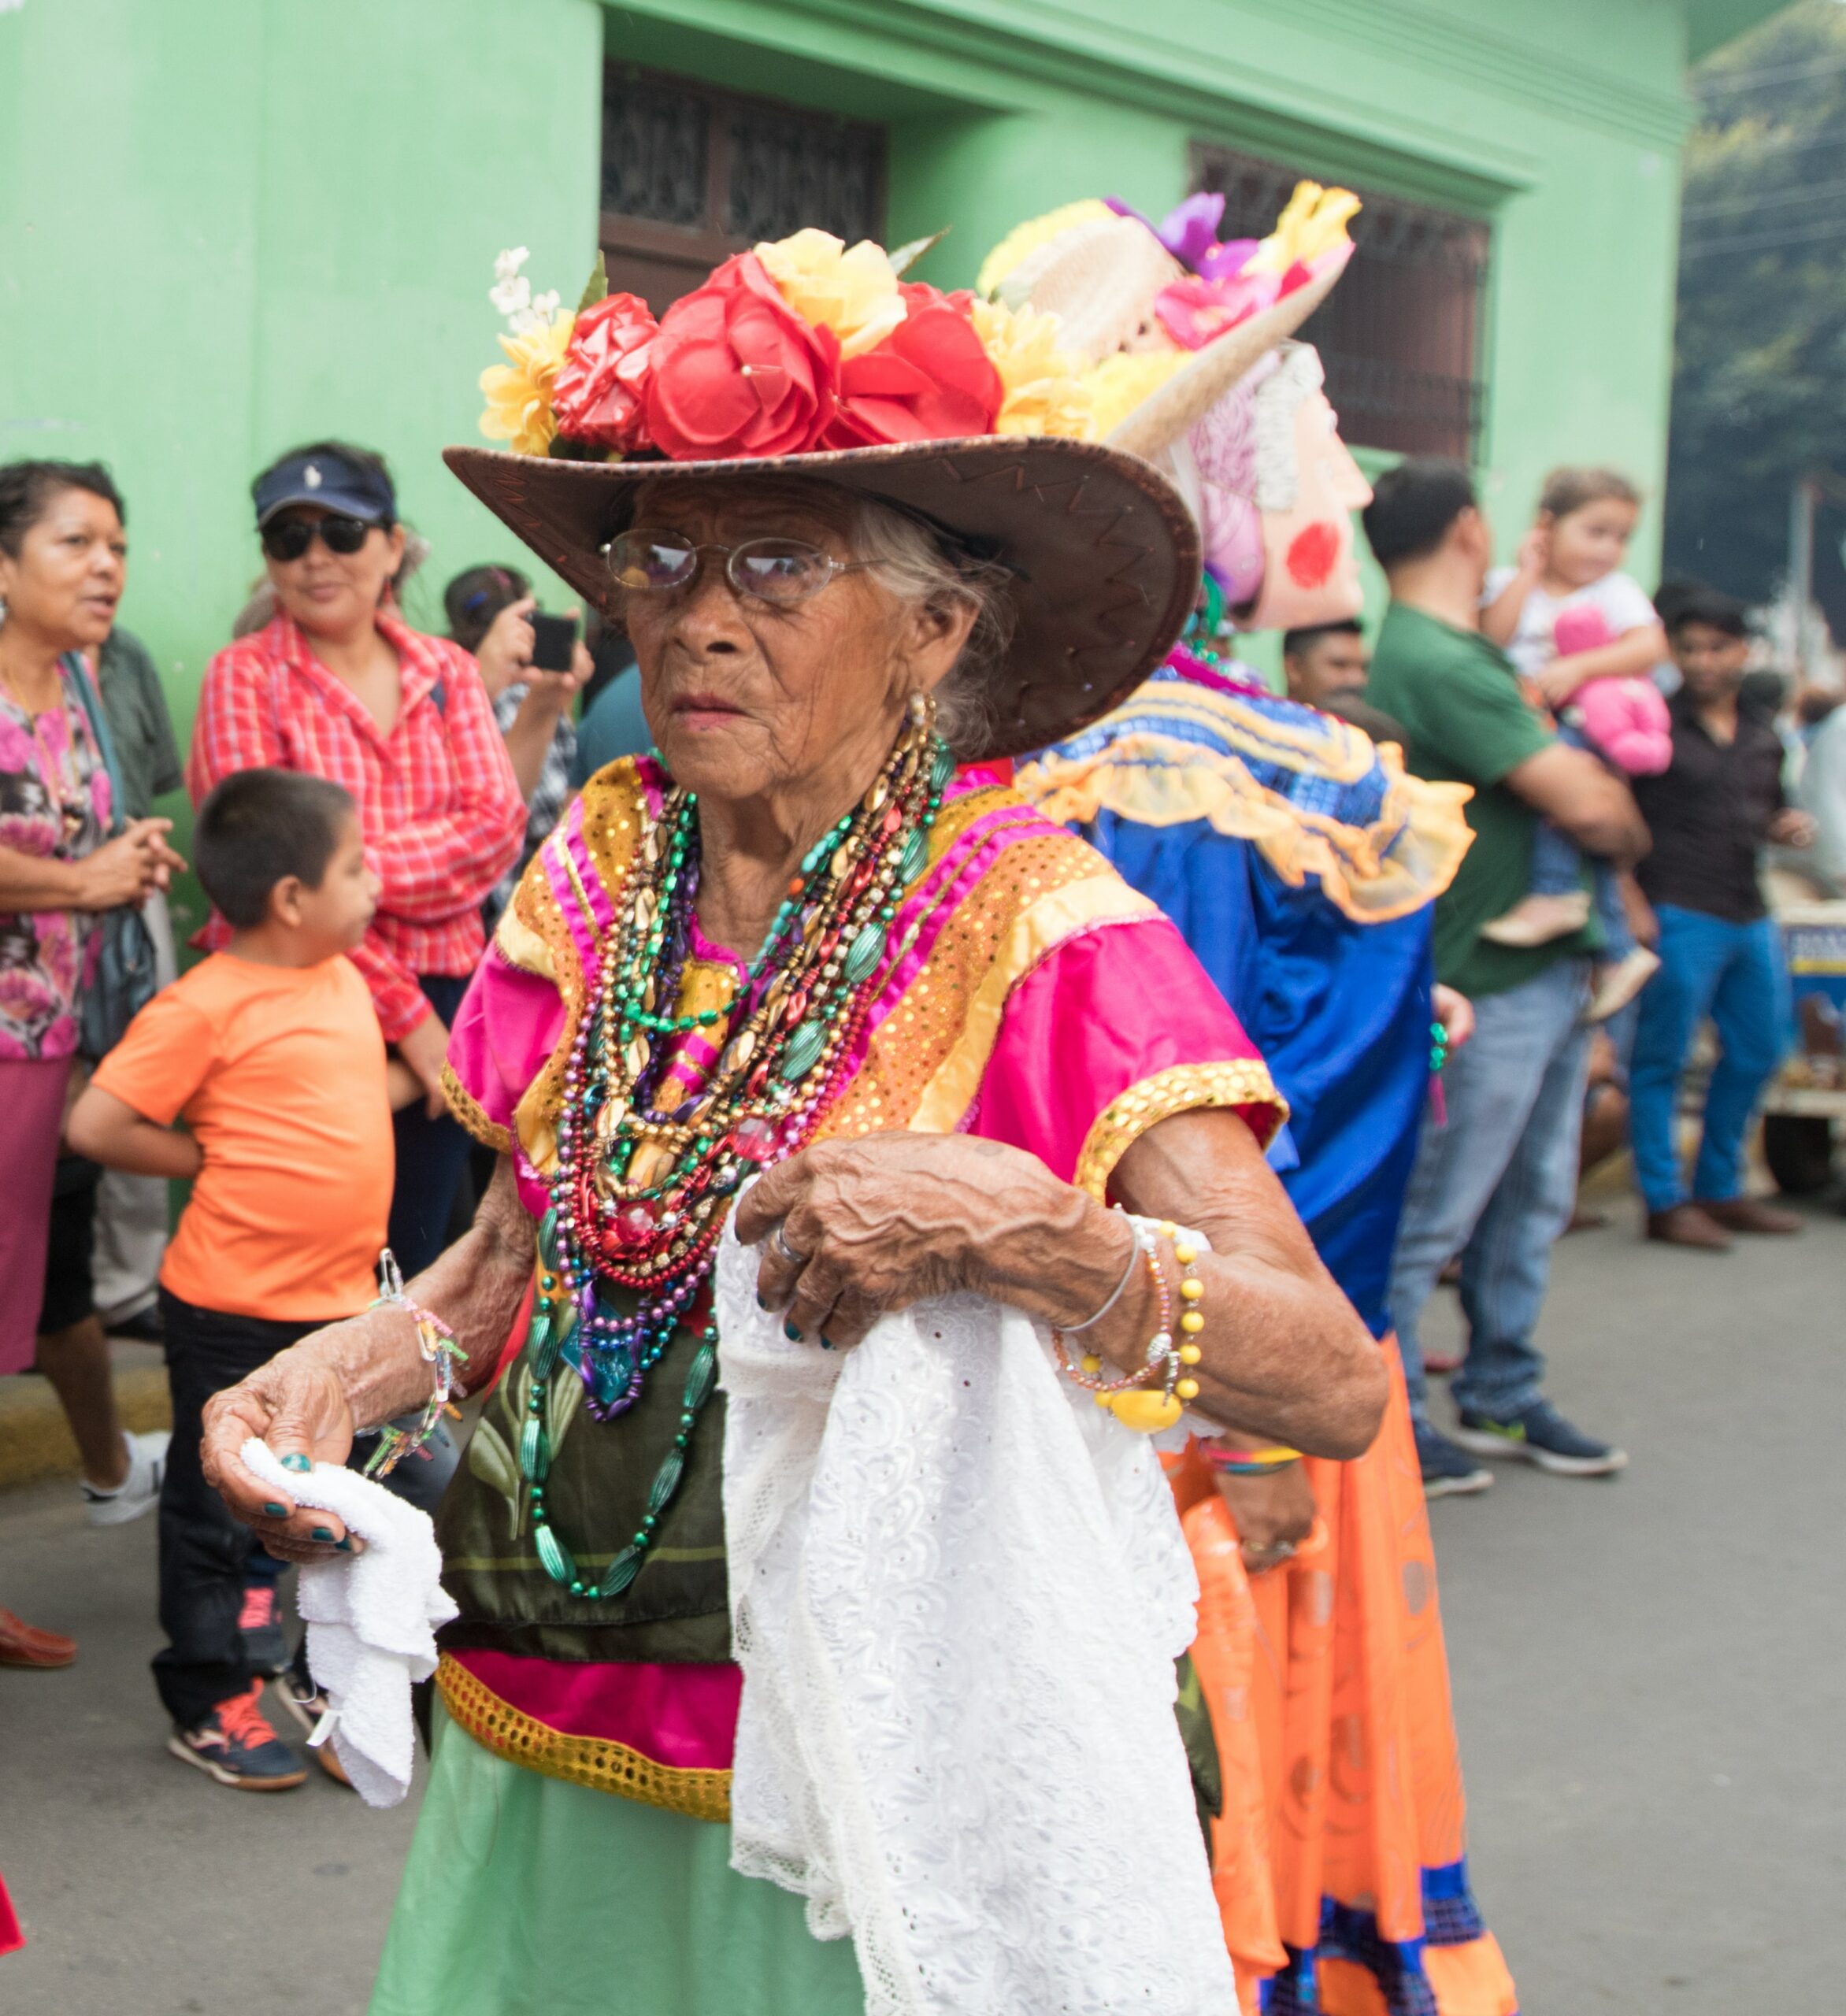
1686,1225
1747,1214
24,1645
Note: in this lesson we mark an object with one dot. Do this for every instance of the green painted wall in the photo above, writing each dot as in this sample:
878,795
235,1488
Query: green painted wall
229,224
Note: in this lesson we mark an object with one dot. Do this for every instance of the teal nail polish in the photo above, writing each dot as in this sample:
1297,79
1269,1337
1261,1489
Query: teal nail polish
276,1511
826,1343
322,1532
343,1546
297,1461
793,1333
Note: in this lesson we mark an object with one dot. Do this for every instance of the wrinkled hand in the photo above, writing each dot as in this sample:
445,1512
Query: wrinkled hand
886,1221
1792,828
1272,1514
300,1409
1455,1012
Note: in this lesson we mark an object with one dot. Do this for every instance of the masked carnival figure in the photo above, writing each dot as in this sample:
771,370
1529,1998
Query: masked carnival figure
1300,863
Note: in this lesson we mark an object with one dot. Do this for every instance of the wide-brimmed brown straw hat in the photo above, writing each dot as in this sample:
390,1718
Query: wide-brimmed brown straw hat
1103,553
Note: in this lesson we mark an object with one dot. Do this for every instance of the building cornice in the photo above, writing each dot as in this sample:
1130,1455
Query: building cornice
1128,58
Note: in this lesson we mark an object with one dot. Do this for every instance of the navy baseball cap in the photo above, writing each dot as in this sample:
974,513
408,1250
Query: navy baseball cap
325,477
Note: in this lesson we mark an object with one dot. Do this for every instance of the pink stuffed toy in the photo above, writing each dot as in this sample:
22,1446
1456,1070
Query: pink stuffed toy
1625,719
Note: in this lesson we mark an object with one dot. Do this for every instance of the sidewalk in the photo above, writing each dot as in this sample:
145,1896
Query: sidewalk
34,1441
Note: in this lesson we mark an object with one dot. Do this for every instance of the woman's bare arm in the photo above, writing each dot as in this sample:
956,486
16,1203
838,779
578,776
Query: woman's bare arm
1286,1356
891,1219
309,1401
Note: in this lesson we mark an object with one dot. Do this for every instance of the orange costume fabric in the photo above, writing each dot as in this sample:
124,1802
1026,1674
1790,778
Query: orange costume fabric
1327,1684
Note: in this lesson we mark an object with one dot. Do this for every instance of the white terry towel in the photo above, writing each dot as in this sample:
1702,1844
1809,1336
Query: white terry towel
958,1590
371,1618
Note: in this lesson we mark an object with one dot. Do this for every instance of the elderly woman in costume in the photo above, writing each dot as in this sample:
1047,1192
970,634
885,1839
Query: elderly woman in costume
818,945
1301,864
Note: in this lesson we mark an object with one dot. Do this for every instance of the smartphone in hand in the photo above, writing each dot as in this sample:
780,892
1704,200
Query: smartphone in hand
554,642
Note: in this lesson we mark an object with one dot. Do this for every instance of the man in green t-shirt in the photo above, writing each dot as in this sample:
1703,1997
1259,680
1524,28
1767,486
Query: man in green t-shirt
1495,1183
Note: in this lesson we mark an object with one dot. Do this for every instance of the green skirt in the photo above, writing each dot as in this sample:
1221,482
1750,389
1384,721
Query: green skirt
525,1896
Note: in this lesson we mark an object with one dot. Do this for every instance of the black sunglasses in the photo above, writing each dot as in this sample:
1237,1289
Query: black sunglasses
288,538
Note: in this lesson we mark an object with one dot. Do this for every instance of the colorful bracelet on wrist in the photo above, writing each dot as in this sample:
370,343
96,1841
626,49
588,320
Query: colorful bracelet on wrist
436,1341
1132,1399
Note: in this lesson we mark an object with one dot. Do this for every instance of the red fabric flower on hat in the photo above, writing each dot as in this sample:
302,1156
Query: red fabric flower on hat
736,371
930,379
600,392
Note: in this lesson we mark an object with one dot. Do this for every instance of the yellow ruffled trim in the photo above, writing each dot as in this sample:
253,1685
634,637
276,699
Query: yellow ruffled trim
1372,874
594,1761
473,1115
1239,1081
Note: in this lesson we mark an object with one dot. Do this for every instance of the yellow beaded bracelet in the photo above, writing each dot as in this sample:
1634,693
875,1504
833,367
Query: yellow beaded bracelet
1192,1316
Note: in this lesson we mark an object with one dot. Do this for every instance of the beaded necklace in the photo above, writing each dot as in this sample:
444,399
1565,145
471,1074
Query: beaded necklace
641,1195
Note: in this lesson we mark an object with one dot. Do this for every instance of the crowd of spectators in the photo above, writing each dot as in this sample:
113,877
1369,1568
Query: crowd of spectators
368,795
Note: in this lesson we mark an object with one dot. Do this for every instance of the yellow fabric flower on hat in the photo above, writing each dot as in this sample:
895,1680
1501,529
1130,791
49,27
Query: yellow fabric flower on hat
1314,222
1023,239
852,293
519,393
1047,387
1119,384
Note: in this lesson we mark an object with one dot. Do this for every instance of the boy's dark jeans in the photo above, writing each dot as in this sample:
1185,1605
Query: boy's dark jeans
202,1549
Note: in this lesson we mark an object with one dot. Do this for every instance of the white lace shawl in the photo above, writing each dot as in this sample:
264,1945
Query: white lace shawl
958,1590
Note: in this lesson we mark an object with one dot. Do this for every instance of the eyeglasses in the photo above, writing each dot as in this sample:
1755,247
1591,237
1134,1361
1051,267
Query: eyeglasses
288,538
781,571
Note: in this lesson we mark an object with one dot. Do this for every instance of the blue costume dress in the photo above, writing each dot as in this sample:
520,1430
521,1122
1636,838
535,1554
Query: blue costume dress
1300,863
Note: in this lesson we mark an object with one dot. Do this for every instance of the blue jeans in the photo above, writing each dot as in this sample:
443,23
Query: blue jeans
1496,1185
1734,973
1557,870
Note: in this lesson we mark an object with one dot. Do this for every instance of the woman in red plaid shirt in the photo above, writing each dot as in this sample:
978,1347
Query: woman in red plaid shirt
338,685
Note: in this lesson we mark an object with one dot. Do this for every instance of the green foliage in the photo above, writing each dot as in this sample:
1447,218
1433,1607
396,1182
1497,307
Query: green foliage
1759,379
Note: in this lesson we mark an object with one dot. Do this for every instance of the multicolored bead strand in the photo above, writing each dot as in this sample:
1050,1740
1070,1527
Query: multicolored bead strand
640,1196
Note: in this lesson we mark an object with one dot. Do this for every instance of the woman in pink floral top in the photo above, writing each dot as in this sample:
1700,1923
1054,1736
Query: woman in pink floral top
62,567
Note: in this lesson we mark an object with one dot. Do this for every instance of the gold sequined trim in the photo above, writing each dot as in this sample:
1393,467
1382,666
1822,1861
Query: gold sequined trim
594,1761
1242,1081
926,1040
473,1115
519,945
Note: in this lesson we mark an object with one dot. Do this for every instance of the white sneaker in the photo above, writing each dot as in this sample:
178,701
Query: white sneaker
139,1490
1618,985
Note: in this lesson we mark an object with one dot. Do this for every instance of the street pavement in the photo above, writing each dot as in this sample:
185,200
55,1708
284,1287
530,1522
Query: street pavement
1650,1676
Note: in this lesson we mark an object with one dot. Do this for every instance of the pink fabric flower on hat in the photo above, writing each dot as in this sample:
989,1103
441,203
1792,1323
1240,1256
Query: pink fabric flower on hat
737,372
1193,311
600,392
930,379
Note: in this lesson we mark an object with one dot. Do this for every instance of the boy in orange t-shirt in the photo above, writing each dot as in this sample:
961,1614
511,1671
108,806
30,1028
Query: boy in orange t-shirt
271,1053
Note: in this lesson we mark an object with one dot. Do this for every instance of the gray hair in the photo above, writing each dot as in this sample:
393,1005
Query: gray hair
915,567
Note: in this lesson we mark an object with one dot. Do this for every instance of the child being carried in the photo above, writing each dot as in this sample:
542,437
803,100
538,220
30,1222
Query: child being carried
1585,635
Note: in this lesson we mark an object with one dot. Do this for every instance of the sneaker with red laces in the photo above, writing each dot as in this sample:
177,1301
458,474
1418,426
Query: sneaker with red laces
235,1745
265,1644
